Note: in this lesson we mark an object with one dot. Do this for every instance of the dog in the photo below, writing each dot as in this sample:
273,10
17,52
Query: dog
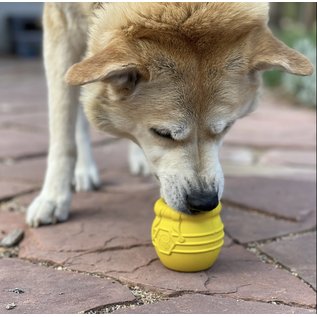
171,77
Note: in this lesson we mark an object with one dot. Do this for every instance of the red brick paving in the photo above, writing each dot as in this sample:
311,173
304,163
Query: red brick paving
17,143
10,189
246,227
275,126
290,158
108,232
293,200
292,250
10,221
204,304
46,290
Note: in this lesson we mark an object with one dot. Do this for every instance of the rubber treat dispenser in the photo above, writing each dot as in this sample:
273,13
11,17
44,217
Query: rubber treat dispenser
187,243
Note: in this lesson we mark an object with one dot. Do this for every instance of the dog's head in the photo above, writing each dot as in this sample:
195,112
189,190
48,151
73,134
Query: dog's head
174,78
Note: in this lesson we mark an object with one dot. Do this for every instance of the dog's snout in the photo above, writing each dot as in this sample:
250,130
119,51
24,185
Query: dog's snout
204,201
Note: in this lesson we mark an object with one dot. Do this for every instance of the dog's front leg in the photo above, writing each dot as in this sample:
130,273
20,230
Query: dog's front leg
86,176
60,52
137,161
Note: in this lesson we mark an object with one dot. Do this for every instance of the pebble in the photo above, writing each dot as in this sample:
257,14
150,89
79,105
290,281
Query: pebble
12,238
16,290
11,306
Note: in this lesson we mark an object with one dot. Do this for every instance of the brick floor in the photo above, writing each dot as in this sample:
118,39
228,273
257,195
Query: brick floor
10,189
267,264
204,304
298,253
247,226
16,143
48,290
293,201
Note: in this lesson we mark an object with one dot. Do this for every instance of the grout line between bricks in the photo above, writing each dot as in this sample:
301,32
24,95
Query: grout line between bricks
245,208
177,294
285,236
271,260
263,148
273,239
143,296
109,308
253,247
13,160
11,198
161,296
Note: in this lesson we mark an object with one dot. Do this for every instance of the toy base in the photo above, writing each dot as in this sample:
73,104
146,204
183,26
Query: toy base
189,262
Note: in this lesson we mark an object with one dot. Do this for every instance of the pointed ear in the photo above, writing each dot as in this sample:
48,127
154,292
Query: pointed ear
271,53
103,67
115,66
88,70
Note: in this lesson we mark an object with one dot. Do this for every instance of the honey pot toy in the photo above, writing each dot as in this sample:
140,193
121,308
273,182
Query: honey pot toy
187,243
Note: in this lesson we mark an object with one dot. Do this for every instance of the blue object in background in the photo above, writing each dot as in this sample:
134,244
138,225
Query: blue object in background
25,35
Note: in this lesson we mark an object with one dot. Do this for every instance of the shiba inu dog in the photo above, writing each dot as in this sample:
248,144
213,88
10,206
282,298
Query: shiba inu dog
171,77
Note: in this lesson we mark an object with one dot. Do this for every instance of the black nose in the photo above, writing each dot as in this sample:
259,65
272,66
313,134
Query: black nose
202,201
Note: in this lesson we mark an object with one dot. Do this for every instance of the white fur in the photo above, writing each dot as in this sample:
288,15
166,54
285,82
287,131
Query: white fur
53,202
218,126
182,170
137,161
86,176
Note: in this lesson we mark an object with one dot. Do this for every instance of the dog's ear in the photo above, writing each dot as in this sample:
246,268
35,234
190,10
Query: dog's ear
271,53
120,70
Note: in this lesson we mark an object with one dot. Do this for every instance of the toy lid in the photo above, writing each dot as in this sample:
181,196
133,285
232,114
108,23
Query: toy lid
161,209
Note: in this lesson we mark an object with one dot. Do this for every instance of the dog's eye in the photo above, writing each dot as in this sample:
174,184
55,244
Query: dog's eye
227,127
163,133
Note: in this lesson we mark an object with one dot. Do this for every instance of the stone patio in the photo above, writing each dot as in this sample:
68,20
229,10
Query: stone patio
102,259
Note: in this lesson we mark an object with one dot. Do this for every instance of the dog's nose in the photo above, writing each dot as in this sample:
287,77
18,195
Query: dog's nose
202,201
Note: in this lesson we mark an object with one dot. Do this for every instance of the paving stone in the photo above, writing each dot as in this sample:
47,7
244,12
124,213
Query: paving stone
109,233
237,273
101,220
271,126
10,221
293,200
15,143
98,137
113,263
298,253
18,204
10,189
17,107
50,291
111,158
269,171
246,226
31,171
206,304
37,121
237,155
289,157
112,161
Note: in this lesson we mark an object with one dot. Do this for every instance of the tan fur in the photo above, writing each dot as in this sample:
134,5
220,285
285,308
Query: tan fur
191,69
216,49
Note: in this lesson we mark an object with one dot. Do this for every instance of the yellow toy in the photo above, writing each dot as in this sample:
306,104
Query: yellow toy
187,243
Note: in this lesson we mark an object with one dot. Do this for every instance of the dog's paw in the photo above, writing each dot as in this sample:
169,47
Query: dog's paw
137,161
45,211
86,177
